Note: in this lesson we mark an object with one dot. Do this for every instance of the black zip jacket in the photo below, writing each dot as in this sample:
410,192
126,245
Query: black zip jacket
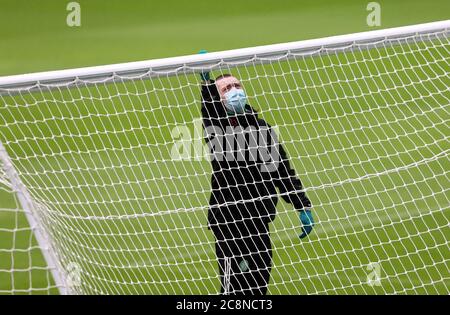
240,189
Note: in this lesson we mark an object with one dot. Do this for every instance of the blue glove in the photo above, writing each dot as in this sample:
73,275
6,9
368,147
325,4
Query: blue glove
307,220
204,75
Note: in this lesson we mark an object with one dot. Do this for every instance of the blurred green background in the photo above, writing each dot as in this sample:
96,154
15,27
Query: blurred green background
34,35
389,218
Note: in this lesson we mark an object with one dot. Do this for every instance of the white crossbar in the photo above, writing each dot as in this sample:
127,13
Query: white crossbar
208,61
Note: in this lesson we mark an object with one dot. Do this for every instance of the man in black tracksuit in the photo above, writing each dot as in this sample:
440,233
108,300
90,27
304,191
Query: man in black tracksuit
244,194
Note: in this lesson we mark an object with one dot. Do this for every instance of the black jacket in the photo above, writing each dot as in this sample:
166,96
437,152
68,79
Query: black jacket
240,189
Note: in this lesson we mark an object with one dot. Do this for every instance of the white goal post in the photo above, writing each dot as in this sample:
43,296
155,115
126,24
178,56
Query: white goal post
93,200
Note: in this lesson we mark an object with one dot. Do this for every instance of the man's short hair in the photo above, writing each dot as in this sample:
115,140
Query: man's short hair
225,75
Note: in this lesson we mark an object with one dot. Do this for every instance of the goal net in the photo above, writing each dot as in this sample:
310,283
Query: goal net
106,180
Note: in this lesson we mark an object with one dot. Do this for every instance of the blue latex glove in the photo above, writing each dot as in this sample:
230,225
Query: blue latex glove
307,220
204,75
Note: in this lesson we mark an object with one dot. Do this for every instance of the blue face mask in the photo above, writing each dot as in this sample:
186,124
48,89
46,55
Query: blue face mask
235,100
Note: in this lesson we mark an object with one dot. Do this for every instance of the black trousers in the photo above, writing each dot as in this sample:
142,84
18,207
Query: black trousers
244,254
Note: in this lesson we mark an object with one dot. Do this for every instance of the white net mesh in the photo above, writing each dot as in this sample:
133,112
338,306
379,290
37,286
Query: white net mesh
366,129
23,269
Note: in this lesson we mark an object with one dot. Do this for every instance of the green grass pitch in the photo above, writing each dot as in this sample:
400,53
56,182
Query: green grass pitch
394,218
